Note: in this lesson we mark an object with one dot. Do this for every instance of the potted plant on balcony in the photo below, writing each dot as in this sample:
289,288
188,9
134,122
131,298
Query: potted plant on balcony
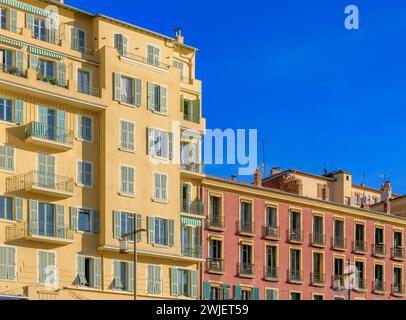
13,70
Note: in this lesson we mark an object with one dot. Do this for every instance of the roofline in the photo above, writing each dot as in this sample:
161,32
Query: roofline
300,172
66,6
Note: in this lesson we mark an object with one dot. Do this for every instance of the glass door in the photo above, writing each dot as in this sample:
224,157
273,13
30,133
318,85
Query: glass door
46,222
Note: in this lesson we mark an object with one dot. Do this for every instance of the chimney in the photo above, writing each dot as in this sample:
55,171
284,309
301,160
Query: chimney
234,178
275,170
386,189
258,178
325,172
386,206
178,34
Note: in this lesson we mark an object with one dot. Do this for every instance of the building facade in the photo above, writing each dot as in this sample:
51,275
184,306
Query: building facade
93,113
268,244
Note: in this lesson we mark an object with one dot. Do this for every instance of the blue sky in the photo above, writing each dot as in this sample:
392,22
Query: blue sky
315,91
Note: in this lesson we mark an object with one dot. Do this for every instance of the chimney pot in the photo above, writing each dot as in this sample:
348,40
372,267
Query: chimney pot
258,178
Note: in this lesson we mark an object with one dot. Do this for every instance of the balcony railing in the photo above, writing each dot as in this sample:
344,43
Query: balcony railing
318,239
246,227
271,273
44,131
52,80
379,286
215,222
339,243
35,232
89,91
295,235
398,253
194,207
13,70
145,60
215,265
359,246
338,282
194,252
318,279
36,181
192,167
186,80
360,284
379,250
245,269
11,28
295,275
398,289
271,232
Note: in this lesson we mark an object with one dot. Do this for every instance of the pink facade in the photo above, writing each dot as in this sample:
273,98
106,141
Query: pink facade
231,241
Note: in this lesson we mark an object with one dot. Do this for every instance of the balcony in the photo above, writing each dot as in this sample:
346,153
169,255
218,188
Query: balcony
48,136
295,235
245,228
338,282
13,70
192,168
215,265
195,207
398,253
271,232
339,243
318,239
95,92
295,276
360,284
271,273
32,232
398,289
318,279
359,246
245,270
379,250
52,81
215,222
379,287
194,252
144,60
40,183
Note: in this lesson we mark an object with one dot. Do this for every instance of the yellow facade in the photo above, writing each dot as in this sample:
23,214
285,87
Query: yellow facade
70,103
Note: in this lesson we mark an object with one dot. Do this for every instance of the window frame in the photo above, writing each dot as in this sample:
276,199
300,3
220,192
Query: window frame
78,126
124,193
121,147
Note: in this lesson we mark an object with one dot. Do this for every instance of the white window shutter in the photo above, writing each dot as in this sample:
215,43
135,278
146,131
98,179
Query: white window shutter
13,20
117,284
174,282
137,92
74,39
151,96
131,276
117,86
19,209
97,272
163,100
33,213
151,230
194,283
117,224
74,218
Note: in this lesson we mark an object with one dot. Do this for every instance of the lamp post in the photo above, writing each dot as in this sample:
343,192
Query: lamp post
124,250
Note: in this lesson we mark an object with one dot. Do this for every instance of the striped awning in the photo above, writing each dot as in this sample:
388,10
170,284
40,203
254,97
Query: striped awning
191,221
45,53
26,7
12,42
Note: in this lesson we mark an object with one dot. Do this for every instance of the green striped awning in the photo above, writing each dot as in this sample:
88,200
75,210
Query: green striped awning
26,7
191,221
12,42
45,53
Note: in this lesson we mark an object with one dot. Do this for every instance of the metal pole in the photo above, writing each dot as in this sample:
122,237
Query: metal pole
349,284
135,259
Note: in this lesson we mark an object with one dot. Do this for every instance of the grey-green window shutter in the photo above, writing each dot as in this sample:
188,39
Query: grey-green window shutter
125,45
131,276
13,20
237,293
163,99
137,92
18,111
226,291
3,262
60,221
117,86
174,282
29,21
206,290
96,221
151,96
151,142
150,279
117,224
19,209
61,74
139,227
81,273
171,233
33,212
196,111
74,218
151,230
52,34
34,61
255,294
194,283
117,284
19,60
11,263
97,272
74,39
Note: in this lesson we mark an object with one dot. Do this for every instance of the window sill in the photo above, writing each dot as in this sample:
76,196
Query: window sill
84,140
7,171
160,201
128,104
126,150
127,195
166,160
8,221
8,123
83,186
159,113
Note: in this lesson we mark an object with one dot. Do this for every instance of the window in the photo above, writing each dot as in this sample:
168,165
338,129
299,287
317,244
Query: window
338,273
216,293
78,39
246,217
215,215
121,44
190,152
160,187
6,110
123,222
295,296
191,110
184,282
39,29
246,265
190,238
7,263
83,82
271,294
295,272
47,268
85,173
318,277
379,278
339,298
6,208
360,275
271,217
379,236
3,17
6,59
318,230
295,232
88,272
160,143
127,135
356,199
7,158
157,98
123,276
127,180
215,261
160,231
246,294
127,90
318,297
85,131
46,69
271,271
374,200
397,239
179,65
154,281
339,238
127,94
359,237
347,201
153,55
84,220
398,280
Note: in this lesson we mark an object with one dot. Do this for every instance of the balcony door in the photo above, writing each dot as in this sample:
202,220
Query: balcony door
295,261
52,124
46,220
46,171
246,256
186,197
246,216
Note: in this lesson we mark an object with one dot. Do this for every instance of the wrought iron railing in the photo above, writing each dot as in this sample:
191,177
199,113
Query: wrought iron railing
271,232
271,273
13,70
39,179
192,167
295,235
398,253
318,279
379,250
215,222
360,283
47,132
245,269
379,286
339,243
30,229
245,227
318,239
398,289
338,282
194,207
143,59
52,80
193,252
295,275
359,246
215,265
89,90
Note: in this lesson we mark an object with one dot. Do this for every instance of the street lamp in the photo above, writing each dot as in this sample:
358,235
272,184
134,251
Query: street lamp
124,250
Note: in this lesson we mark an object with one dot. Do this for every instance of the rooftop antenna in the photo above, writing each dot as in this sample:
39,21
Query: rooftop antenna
364,182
